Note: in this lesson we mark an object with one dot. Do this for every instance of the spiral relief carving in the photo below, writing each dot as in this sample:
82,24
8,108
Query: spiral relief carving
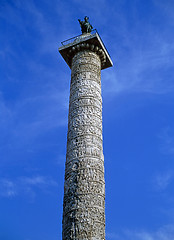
84,188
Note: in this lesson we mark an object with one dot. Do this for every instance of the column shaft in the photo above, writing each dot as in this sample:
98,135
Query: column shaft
84,188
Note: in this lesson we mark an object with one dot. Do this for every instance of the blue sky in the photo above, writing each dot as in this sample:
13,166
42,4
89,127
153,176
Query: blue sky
138,116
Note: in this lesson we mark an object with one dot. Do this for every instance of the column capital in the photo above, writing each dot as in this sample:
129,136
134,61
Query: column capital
89,41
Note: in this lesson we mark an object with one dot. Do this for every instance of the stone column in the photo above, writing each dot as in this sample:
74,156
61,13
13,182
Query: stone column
84,187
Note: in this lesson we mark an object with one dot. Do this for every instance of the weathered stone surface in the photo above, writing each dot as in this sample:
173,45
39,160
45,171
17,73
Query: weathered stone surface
84,188
86,41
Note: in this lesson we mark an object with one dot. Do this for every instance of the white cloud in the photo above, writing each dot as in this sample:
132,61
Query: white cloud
166,7
40,104
5,112
167,140
7,188
164,233
27,118
144,70
162,180
38,181
25,186
142,58
110,235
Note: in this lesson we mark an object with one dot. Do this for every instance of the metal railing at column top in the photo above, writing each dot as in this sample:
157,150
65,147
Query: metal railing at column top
70,40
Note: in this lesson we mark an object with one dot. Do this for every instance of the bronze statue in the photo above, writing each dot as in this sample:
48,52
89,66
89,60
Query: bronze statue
86,27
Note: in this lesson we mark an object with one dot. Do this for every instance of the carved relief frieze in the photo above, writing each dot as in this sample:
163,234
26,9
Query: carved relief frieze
84,119
86,110
85,93
88,174
87,83
72,133
84,54
78,50
87,162
84,151
86,67
84,141
81,102
84,186
93,232
87,59
78,76
95,213
91,200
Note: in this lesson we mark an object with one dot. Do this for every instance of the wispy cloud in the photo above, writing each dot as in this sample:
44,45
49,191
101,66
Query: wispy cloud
7,188
145,70
161,181
28,118
60,160
112,235
166,8
166,137
142,53
164,233
40,102
25,186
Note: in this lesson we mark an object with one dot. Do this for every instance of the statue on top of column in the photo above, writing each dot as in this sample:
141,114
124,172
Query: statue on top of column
86,27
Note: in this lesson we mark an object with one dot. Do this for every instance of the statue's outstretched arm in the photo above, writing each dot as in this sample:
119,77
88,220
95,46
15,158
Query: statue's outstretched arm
80,22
